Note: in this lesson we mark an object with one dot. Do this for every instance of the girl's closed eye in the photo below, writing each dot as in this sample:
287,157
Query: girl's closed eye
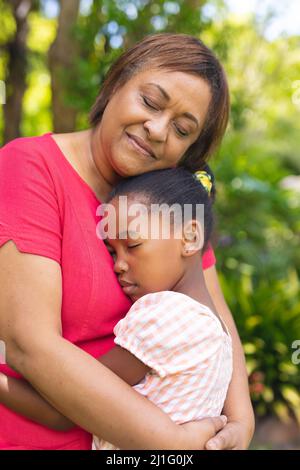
110,250
133,246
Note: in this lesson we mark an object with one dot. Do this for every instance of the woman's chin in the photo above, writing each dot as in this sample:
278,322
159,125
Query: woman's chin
125,171
129,164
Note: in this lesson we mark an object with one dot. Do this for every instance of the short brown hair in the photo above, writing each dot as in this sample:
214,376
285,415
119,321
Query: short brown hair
180,53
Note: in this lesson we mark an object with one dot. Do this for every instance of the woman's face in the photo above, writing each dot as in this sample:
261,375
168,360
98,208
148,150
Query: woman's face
151,121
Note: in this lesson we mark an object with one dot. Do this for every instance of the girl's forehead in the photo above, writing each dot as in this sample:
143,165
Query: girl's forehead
132,219
126,217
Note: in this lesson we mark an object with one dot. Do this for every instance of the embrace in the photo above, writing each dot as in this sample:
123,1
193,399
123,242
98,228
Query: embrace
126,341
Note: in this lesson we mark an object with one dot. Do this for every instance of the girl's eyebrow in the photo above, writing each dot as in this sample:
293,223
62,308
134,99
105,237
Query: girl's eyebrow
131,234
167,98
108,246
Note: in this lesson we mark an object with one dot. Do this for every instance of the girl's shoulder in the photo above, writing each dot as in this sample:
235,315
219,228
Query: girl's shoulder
172,298
165,306
170,332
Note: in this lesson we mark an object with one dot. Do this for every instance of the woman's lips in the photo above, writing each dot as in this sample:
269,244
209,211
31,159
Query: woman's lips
139,145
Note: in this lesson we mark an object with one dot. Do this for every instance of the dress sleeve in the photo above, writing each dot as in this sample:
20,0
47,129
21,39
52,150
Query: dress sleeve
167,333
208,258
29,213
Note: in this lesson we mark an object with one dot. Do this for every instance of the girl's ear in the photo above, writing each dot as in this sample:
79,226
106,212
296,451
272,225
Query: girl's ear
193,238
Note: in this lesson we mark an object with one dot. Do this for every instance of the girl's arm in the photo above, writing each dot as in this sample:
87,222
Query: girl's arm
22,398
76,384
19,396
237,434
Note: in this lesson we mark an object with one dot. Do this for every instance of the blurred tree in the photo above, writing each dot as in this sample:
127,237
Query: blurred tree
16,68
62,57
111,26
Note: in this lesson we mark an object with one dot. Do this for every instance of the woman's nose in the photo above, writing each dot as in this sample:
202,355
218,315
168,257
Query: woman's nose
120,266
157,128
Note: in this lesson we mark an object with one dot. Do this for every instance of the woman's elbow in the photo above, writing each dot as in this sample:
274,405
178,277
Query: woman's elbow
14,354
23,349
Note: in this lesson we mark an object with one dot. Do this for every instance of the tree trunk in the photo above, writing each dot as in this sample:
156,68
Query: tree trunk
16,70
62,55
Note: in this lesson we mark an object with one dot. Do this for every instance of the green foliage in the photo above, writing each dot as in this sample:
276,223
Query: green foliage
108,21
268,320
37,99
258,223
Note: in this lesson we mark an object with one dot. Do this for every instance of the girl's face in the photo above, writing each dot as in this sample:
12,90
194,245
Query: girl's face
143,264
150,122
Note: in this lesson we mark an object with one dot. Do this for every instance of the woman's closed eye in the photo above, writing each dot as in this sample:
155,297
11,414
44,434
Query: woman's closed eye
155,107
150,104
180,131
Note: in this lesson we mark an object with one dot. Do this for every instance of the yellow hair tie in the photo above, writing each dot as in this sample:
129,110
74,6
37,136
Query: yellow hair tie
205,179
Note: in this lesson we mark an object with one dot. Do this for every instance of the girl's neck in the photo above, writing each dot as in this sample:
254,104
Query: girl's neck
193,284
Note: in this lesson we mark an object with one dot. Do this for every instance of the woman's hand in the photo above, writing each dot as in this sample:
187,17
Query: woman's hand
234,436
197,433
3,385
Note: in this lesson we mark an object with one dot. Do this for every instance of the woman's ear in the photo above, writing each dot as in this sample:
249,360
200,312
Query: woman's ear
193,238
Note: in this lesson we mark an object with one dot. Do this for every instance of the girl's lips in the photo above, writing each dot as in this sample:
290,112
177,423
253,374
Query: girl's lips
129,289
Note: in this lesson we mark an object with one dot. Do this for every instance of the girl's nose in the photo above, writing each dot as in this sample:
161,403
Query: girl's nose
157,128
120,266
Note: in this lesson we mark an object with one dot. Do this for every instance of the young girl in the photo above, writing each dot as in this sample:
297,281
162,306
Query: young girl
171,346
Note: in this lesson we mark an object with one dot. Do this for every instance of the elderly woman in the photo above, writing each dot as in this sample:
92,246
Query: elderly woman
164,103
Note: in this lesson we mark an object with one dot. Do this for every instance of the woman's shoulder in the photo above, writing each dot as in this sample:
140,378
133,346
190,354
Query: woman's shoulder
24,144
25,151
36,158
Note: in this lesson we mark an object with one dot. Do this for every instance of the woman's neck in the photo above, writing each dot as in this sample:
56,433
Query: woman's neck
78,149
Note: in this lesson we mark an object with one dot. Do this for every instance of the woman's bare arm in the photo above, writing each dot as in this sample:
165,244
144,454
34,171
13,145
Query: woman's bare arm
22,398
77,385
19,396
238,432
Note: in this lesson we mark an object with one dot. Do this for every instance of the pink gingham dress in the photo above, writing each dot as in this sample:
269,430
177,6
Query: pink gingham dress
188,351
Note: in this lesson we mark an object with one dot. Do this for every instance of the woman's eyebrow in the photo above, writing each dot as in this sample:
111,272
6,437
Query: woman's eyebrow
162,91
167,98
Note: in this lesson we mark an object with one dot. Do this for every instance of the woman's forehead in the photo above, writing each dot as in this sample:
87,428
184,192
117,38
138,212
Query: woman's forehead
171,79
189,92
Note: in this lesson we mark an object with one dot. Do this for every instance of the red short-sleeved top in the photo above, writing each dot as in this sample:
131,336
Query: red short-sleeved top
47,209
